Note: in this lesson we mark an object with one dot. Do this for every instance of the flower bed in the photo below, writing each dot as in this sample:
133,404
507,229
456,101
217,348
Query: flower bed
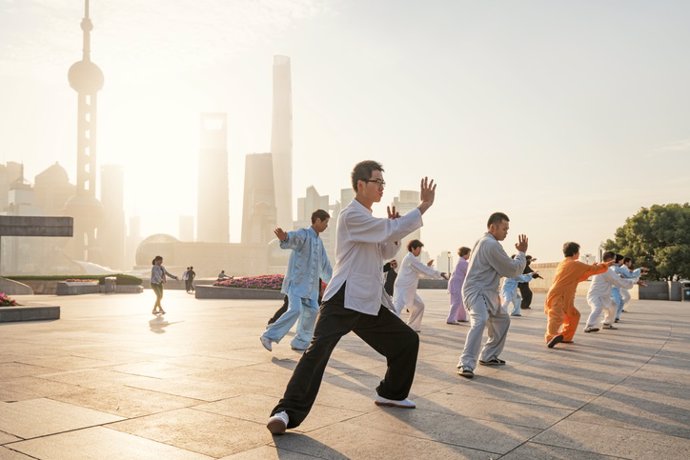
273,282
7,301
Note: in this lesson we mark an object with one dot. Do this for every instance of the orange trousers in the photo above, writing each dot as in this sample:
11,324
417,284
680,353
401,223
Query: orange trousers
561,319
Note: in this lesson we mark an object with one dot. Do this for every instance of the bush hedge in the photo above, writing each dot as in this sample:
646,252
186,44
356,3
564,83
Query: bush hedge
122,279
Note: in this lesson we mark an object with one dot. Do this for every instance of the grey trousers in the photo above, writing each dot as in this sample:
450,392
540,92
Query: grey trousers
481,317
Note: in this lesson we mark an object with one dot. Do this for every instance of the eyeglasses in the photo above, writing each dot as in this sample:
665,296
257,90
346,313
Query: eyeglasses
380,182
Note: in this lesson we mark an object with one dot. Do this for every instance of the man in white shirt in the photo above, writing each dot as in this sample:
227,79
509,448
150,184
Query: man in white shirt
355,300
599,295
406,284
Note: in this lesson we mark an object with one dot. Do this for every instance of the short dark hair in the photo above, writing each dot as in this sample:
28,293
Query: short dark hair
570,248
363,170
627,259
414,244
497,218
619,257
319,214
608,255
464,250
153,262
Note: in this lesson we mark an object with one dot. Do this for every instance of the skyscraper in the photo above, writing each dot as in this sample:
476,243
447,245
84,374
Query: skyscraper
86,78
111,238
213,201
258,208
281,140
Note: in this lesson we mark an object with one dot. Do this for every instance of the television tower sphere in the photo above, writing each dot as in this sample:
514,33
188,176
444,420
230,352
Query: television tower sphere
85,77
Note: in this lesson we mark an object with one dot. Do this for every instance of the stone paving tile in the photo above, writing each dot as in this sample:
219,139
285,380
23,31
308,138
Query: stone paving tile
448,428
125,401
529,415
14,369
102,444
536,451
21,388
638,411
39,417
155,369
97,378
615,441
6,437
67,363
211,434
268,453
351,440
8,454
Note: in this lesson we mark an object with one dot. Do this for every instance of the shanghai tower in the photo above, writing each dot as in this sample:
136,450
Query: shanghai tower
281,140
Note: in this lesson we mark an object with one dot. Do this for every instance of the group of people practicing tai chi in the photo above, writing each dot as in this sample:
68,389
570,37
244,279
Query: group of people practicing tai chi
357,295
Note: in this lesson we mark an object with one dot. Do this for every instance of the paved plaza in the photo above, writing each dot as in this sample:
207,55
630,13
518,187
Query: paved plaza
108,381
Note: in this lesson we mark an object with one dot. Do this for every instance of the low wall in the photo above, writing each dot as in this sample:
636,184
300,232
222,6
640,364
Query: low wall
11,287
216,292
29,313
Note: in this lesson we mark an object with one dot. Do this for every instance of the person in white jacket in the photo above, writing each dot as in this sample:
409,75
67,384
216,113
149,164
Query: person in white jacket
599,295
405,291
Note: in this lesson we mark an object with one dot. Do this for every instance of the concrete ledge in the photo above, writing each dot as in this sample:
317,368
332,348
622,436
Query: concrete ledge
29,313
64,288
216,292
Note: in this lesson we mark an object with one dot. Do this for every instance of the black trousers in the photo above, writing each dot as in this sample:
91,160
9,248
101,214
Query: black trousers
385,333
280,311
526,294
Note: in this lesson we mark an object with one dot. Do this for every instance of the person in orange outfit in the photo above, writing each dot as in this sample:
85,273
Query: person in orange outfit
560,310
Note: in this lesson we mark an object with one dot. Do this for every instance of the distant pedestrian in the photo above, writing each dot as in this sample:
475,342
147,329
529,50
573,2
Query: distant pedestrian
222,276
457,312
158,278
189,281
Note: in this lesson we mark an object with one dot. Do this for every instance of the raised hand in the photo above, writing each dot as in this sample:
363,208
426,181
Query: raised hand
427,194
281,234
521,245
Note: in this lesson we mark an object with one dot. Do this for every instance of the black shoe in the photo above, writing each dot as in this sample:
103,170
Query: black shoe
525,308
617,320
467,373
492,362
555,341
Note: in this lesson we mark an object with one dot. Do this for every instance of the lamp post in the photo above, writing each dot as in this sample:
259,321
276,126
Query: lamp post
448,263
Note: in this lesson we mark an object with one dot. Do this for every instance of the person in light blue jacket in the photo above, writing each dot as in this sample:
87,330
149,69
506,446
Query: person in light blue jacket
308,262
510,295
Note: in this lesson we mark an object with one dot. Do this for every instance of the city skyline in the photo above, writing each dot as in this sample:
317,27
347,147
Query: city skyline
529,108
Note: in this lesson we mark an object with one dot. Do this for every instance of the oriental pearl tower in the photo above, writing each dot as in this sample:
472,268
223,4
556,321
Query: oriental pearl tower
86,79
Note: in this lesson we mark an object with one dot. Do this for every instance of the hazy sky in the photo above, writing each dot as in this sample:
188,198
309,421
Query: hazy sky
567,115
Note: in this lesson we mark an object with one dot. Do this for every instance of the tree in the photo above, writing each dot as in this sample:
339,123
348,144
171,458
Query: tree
658,238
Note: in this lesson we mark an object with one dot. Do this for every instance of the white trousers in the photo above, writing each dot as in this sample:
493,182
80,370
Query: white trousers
598,305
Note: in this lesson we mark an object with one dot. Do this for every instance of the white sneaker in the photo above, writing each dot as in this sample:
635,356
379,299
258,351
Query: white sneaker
278,423
403,404
266,342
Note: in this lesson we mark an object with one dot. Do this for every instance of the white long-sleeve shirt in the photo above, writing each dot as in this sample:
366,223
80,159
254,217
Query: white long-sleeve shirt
602,284
362,243
411,269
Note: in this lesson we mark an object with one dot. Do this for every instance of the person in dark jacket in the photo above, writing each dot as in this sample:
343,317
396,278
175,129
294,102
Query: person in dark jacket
525,291
390,269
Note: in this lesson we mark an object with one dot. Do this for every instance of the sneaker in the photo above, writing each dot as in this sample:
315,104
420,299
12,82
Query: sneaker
402,404
555,341
492,362
465,372
591,329
278,422
609,326
266,342
298,348
617,320
515,314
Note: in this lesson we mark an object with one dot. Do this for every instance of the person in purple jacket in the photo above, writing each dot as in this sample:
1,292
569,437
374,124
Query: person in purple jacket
457,313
